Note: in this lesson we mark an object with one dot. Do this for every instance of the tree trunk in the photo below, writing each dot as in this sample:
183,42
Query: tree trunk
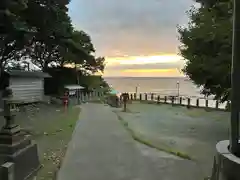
45,67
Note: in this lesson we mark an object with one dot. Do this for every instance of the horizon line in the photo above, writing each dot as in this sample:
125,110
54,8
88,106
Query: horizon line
145,77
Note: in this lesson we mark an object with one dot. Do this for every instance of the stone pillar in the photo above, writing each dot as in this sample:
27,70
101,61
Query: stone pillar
7,171
226,165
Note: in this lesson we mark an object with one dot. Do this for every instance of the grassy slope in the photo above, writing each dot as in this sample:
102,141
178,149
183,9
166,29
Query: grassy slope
52,138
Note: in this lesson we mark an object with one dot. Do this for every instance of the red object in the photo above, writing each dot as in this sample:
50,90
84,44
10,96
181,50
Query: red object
65,99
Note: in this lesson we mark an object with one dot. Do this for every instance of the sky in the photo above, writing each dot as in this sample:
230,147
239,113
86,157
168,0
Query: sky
137,37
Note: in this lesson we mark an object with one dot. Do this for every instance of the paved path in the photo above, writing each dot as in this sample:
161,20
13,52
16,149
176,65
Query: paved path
101,149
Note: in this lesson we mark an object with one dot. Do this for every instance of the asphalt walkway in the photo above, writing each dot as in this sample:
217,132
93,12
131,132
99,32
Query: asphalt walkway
102,149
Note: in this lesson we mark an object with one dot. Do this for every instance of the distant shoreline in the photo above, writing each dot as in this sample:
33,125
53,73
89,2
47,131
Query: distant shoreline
118,77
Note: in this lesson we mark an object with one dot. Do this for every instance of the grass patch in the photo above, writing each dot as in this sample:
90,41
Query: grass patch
152,145
51,128
56,136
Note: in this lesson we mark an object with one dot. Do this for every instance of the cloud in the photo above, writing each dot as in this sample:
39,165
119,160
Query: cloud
131,27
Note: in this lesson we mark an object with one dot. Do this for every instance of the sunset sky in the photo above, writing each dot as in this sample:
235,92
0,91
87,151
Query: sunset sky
137,37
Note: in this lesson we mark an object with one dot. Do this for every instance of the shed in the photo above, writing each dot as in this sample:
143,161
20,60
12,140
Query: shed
27,86
73,89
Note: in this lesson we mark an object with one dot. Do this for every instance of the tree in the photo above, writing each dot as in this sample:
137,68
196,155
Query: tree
53,29
10,16
14,30
41,30
206,47
81,54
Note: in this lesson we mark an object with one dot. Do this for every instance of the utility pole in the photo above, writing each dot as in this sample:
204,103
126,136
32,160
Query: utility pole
178,88
235,92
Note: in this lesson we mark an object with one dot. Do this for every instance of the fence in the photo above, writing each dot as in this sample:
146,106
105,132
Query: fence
81,97
189,102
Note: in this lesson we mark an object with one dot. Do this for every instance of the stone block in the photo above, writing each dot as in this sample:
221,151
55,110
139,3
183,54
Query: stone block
226,165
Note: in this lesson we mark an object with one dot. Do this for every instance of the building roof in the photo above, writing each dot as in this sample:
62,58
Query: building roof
19,73
73,87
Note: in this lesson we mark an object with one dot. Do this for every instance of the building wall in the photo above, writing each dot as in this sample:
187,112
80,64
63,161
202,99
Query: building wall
27,89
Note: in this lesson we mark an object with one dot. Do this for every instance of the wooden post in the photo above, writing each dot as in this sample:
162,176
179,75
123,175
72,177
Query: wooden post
180,101
217,104
172,100
189,103
158,99
78,97
165,99
140,96
206,103
125,99
152,96
146,97
197,103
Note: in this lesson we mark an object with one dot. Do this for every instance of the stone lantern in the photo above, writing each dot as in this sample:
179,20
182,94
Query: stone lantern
15,147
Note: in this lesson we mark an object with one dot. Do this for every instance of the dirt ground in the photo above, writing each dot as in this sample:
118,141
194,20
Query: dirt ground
193,132
51,128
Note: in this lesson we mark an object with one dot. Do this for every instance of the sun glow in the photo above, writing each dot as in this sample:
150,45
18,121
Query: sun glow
150,70
143,59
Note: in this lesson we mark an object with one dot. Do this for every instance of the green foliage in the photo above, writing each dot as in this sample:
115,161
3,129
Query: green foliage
10,16
206,47
53,28
67,76
41,30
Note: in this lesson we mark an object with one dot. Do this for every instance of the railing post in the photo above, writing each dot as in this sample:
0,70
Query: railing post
206,103
165,99
188,103
146,97
140,96
158,99
152,96
180,101
197,103
172,100
217,104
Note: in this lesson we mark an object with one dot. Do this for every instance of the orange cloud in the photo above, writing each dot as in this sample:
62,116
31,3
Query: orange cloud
164,58
150,70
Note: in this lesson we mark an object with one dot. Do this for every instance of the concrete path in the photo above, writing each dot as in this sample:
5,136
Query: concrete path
101,149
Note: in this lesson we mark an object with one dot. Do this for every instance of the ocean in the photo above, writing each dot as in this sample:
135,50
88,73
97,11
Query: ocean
158,85
161,86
